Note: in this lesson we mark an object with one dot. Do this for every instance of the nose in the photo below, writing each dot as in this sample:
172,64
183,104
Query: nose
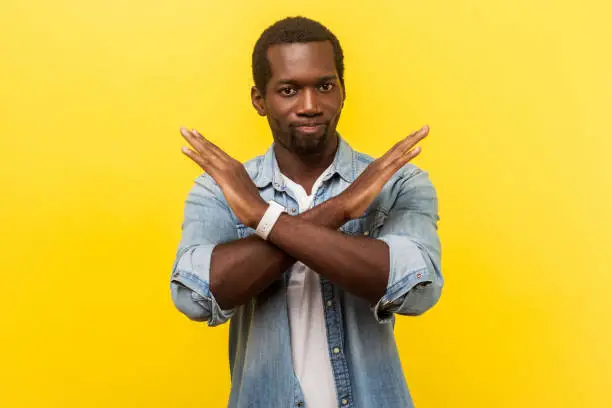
309,103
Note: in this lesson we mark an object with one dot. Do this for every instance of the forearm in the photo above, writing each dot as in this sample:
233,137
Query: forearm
358,264
241,269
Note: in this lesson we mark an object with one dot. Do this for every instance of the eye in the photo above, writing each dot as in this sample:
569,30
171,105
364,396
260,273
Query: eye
326,87
287,91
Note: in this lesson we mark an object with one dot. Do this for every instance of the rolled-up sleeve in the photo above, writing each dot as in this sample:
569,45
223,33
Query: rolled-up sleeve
207,222
411,232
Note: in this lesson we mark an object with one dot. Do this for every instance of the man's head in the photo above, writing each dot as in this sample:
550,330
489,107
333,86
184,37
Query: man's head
298,69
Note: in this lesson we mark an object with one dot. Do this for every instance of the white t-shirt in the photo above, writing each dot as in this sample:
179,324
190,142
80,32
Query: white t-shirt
309,346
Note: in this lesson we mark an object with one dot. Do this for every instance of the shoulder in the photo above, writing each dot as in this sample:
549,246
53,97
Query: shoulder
409,188
254,166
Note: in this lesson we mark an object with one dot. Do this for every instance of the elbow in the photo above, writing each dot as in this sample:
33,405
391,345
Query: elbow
193,314
421,300
185,303
199,308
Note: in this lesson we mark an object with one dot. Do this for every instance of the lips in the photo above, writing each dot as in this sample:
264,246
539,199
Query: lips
310,127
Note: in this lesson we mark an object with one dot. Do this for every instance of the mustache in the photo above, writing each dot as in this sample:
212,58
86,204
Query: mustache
309,123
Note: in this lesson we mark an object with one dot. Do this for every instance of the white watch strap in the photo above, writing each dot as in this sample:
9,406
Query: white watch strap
269,219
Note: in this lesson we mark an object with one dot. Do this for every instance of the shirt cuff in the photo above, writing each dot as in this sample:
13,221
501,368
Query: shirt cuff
409,274
193,272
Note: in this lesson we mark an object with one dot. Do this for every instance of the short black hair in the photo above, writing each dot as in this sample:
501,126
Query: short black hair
287,31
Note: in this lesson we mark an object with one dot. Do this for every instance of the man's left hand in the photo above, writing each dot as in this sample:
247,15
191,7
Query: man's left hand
239,190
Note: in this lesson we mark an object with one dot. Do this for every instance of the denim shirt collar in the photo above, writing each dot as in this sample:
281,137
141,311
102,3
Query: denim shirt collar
343,164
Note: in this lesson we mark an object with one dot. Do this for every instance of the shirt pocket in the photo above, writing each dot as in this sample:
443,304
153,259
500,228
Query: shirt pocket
368,224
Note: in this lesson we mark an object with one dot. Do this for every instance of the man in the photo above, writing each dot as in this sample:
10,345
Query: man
312,248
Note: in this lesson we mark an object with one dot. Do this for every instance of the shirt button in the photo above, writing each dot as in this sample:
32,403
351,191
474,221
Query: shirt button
330,303
344,401
336,350
293,210
300,404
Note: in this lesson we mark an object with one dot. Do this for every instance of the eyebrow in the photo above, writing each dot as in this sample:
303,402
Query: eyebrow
294,82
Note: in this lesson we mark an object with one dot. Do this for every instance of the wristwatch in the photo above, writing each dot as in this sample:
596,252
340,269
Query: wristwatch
269,219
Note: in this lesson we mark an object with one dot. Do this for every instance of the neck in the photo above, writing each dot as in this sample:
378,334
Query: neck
305,169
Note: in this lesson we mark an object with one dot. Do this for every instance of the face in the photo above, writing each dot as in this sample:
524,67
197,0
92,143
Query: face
304,96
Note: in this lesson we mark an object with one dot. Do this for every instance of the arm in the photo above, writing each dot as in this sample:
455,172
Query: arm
399,272
360,265
410,231
207,222
241,269
214,271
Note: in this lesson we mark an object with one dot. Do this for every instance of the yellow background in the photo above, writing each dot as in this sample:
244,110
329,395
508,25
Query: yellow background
92,94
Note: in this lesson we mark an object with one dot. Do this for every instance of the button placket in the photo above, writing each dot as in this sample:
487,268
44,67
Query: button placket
333,321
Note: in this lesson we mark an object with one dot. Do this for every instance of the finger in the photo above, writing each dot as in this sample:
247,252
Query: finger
398,151
421,134
401,160
397,148
415,137
412,153
213,148
411,141
199,160
195,142
205,148
405,142
210,146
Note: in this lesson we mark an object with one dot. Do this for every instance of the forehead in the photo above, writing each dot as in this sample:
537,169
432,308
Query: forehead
301,61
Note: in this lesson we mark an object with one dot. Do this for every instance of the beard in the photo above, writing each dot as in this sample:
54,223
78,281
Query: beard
307,144
301,143
291,138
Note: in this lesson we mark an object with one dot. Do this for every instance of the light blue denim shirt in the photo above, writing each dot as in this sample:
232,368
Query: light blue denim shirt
362,348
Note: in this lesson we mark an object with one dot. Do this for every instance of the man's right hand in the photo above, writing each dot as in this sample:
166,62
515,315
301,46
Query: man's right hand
360,194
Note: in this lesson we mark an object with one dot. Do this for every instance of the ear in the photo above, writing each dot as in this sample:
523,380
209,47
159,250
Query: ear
258,101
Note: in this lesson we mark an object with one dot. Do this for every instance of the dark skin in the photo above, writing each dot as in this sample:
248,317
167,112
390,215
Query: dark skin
302,102
304,89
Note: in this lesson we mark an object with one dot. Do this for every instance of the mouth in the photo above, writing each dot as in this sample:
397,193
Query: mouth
310,127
